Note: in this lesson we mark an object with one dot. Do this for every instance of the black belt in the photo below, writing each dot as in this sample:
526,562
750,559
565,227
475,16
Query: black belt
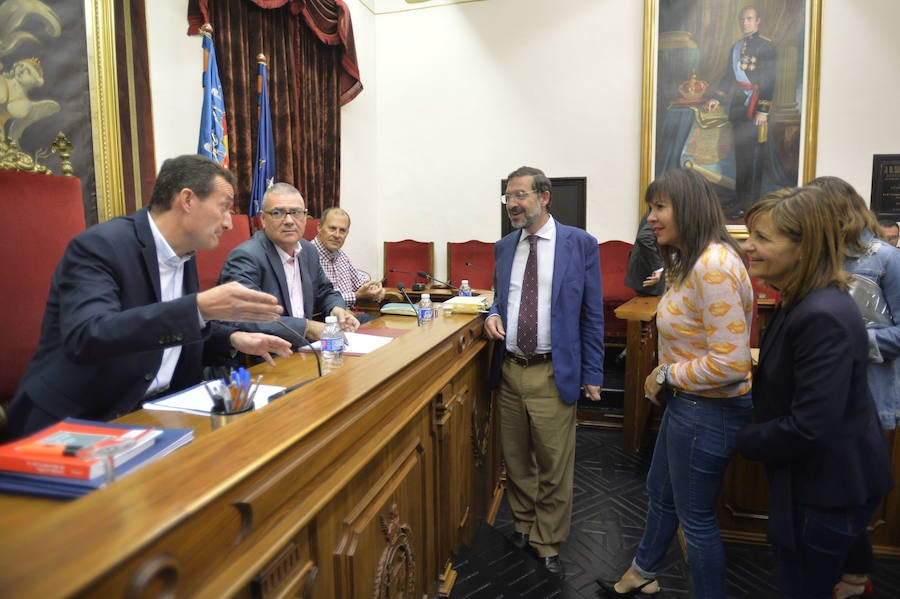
525,362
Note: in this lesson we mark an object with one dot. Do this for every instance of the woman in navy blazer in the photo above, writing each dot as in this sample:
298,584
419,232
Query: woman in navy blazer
815,425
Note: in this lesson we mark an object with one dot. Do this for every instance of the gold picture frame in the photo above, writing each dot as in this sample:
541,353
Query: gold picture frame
795,126
108,171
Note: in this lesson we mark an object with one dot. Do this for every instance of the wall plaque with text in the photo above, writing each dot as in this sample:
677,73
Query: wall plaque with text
885,200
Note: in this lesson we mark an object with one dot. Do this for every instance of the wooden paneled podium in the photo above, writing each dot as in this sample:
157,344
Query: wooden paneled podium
360,484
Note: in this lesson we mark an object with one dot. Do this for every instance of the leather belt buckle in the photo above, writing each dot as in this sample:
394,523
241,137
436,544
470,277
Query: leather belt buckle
526,361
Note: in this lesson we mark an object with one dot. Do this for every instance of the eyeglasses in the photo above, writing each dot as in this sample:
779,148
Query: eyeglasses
280,213
517,196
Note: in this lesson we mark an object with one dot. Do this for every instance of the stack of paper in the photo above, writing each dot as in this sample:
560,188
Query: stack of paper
468,305
196,400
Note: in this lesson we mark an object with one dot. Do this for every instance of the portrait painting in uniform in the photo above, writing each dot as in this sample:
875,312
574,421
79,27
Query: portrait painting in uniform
731,90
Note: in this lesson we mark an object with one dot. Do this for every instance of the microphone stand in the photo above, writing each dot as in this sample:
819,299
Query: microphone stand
478,268
470,265
416,286
306,343
422,273
402,289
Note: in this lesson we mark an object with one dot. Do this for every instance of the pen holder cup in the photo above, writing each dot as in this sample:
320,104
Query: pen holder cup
220,418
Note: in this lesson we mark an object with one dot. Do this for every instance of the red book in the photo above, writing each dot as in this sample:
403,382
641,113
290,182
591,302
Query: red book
76,448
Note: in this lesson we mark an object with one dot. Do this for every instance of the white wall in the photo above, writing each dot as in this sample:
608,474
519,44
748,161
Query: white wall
457,96
860,89
176,79
469,92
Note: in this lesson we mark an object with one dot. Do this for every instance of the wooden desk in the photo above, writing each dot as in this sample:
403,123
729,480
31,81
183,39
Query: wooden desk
640,359
356,485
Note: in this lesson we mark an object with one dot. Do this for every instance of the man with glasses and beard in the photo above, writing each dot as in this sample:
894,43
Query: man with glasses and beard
279,261
547,318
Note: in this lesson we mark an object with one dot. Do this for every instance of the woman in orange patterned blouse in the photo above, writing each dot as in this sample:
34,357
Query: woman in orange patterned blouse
704,376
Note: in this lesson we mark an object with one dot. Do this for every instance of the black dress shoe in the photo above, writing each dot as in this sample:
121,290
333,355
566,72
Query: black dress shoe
553,565
608,589
519,539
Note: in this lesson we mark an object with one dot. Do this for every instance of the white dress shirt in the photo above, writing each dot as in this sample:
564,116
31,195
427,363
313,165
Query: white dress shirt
171,287
546,254
293,278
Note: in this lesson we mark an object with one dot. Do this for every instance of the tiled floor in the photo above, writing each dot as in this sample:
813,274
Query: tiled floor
608,518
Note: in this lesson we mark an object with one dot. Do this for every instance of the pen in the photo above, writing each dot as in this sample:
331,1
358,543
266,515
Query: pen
255,387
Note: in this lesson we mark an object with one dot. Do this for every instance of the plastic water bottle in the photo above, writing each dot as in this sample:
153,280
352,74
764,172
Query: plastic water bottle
426,309
464,289
332,345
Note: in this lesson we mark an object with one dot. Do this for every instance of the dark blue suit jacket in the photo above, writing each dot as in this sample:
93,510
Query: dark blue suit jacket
257,265
815,425
105,328
576,309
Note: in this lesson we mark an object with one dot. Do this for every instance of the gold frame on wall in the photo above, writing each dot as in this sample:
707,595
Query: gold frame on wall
101,47
809,117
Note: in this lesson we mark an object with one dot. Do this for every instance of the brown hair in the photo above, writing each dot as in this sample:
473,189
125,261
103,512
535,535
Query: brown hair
698,216
191,171
804,215
854,215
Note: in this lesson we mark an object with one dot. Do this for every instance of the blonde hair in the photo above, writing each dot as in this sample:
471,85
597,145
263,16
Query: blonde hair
804,215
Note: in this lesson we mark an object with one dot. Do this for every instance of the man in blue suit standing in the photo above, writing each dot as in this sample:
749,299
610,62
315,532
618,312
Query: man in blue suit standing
548,316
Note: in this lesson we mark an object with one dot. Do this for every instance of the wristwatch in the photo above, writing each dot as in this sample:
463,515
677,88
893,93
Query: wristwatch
662,374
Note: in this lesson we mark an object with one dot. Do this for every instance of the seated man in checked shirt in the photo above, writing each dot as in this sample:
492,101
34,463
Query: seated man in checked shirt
353,284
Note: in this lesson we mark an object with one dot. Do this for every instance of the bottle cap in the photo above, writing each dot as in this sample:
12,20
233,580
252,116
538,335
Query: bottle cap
426,296
465,283
330,319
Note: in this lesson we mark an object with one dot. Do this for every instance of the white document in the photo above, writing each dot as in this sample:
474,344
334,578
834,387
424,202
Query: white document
356,344
196,400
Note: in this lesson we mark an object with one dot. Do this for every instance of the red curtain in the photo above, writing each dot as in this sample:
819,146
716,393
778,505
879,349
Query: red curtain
312,73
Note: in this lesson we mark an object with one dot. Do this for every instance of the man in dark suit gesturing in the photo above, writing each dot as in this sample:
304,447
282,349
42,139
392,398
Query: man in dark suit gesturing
279,261
124,321
548,317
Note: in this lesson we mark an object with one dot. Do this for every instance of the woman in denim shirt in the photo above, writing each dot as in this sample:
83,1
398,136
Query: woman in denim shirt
879,262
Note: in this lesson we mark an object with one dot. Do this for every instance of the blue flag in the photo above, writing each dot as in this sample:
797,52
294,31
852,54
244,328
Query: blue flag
264,166
213,132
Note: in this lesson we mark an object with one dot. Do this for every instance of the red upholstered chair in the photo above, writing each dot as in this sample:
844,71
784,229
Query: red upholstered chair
480,254
210,262
408,257
42,213
613,263
312,229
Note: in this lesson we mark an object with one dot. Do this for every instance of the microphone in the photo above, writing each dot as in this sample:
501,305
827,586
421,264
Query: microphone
416,286
306,343
422,273
478,268
402,289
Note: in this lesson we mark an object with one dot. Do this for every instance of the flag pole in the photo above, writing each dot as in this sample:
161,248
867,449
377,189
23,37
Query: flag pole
264,165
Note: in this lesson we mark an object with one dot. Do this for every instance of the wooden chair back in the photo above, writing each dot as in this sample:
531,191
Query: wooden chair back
613,264
407,257
471,260
210,262
43,213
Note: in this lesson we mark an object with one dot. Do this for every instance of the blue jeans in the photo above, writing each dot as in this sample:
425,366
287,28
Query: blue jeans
824,536
694,446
